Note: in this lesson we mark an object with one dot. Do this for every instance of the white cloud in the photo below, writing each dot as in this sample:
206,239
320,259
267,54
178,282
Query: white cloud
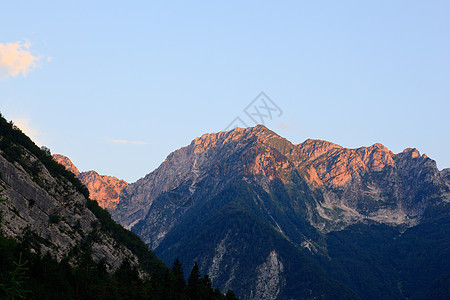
15,59
127,142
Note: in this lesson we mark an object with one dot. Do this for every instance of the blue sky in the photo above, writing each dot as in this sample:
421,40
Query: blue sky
117,86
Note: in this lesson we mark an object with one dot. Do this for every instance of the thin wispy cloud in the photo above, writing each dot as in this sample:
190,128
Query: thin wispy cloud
25,126
127,142
287,126
15,59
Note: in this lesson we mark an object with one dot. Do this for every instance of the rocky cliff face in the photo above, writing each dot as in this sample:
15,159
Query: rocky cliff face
300,192
52,215
446,174
372,183
102,188
47,208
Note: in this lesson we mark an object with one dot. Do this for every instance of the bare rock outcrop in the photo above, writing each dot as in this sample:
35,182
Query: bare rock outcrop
102,188
67,163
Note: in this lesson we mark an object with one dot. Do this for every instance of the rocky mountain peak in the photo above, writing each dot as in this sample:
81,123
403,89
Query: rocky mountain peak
210,140
102,188
325,163
413,152
67,163
315,148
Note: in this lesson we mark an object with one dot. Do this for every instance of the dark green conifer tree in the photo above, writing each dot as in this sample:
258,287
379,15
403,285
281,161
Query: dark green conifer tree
178,273
194,282
230,295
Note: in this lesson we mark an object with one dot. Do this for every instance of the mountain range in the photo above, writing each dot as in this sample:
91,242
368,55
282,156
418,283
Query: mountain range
276,220
264,216
57,243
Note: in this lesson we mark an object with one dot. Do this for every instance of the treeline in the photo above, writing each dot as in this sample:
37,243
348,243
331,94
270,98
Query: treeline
378,262
24,275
